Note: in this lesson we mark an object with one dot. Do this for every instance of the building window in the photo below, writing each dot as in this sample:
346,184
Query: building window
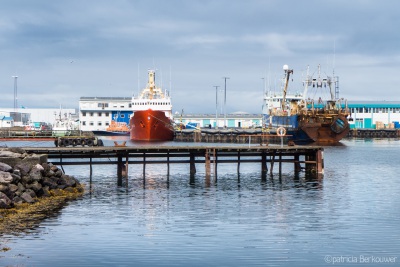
91,123
91,114
107,114
107,124
122,116
84,123
83,114
99,123
99,114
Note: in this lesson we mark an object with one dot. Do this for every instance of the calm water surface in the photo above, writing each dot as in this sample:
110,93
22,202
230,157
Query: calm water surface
351,216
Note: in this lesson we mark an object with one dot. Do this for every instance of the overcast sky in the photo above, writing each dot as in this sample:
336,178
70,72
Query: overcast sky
62,50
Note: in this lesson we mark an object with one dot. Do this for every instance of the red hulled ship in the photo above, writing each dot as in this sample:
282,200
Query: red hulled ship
152,114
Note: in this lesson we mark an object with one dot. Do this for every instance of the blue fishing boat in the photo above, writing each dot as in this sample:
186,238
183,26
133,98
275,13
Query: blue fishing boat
295,115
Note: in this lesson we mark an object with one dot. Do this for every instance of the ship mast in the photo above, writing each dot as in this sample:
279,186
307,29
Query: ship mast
287,74
151,83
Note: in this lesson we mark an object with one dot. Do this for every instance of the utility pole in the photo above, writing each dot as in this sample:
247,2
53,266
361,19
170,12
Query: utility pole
15,97
225,78
216,106
15,93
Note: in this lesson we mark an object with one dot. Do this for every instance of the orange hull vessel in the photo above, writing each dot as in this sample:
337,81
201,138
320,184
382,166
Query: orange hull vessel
151,125
152,114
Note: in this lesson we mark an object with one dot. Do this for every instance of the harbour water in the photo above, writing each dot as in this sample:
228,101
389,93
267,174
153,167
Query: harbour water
350,216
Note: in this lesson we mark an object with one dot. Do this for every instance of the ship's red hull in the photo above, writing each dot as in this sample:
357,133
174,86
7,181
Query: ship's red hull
151,125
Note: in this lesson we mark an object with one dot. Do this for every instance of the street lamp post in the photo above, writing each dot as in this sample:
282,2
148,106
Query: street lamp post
216,106
225,78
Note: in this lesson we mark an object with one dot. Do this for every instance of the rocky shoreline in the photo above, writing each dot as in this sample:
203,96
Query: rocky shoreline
31,188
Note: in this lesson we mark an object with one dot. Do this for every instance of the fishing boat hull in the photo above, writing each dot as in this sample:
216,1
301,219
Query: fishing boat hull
305,129
151,125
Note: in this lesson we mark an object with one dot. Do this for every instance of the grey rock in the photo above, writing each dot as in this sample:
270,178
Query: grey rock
30,192
13,188
51,183
17,200
17,172
16,178
36,174
23,168
5,167
26,197
35,186
5,201
5,177
9,154
4,187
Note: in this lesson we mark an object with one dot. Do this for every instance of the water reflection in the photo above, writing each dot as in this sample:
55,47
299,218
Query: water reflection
232,219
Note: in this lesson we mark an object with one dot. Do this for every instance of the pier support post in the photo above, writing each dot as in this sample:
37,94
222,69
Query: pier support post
91,168
120,166
168,164
144,167
192,164
280,163
207,161
215,163
238,163
264,168
272,163
297,166
126,170
320,161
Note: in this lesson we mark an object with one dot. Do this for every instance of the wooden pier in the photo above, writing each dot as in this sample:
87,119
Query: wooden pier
302,158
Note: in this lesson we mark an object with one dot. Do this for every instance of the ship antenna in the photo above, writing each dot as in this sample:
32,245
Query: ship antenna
138,80
170,81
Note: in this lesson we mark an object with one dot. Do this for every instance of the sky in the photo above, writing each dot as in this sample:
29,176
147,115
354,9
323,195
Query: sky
64,50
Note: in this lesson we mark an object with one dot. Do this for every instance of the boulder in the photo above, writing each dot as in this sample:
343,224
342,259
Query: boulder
43,192
5,202
17,150
46,167
13,188
16,178
17,200
26,179
36,173
23,168
58,173
26,197
51,183
5,177
35,186
9,154
30,192
54,168
3,187
5,167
